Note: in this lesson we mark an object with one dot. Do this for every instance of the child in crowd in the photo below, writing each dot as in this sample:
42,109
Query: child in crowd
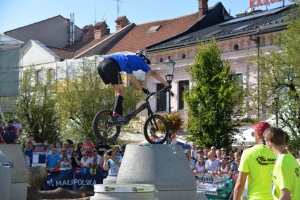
64,163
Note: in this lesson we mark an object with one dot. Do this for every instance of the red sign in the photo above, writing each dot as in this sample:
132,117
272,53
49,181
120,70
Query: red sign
256,3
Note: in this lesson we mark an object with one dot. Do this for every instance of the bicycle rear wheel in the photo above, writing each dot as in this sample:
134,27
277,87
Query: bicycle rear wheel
103,128
156,129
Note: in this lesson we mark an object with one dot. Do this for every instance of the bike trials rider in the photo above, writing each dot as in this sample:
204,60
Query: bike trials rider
109,70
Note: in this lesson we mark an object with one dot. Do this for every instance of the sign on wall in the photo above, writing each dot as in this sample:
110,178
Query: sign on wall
257,3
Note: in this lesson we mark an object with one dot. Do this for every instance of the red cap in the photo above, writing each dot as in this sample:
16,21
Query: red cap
260,127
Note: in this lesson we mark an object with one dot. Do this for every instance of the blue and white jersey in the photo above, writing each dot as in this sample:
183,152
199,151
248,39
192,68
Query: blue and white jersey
130,63
113,168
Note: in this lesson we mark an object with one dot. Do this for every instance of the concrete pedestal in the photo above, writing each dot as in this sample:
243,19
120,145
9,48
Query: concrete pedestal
164,166
123,192
5,180
19,173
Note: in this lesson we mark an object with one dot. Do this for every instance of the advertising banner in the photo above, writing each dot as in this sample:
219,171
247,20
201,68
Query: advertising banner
73,179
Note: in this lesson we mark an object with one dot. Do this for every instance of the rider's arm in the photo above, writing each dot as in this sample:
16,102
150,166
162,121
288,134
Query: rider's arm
158,77
135,81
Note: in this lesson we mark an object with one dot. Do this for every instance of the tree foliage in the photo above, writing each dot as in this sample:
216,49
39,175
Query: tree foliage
279,81
37,107
215,101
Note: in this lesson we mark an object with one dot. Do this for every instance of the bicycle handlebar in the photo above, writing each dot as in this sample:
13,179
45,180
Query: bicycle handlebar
153,94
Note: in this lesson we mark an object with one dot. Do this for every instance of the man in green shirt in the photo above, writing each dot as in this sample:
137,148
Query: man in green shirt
285,175
256,165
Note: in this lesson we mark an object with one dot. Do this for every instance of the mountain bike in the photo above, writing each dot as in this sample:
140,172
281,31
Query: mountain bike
156,129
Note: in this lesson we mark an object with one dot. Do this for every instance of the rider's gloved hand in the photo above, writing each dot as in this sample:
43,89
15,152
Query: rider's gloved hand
146,91
168,88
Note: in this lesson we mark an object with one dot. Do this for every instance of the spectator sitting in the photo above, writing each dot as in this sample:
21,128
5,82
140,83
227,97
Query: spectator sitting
199,167
88,146
29,151
85,161
65,162
64,154
31,139
224,167
112,163
211,165
190,160
173,138
2,133
53,160
11,132
17,124
95,160
75,160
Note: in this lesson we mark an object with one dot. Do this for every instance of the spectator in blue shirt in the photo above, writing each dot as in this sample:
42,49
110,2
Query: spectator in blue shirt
11,132
2,133
52,160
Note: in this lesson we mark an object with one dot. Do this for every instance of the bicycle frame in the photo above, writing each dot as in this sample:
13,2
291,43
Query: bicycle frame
144,106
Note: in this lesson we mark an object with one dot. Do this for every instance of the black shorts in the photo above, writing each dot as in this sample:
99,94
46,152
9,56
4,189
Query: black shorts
109,71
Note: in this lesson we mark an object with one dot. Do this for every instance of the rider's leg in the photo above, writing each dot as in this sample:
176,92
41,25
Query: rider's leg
119,90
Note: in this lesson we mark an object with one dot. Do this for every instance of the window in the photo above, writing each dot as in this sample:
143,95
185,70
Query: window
51,76
239,79
39,77
182,86
161,101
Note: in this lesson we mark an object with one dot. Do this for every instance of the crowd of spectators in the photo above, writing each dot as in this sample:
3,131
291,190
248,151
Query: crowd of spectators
216,162
10,133
80,155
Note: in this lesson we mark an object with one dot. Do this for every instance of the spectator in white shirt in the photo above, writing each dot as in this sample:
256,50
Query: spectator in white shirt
211,165
85,161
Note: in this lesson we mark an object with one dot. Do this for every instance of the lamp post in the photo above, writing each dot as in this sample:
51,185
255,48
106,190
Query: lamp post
169,69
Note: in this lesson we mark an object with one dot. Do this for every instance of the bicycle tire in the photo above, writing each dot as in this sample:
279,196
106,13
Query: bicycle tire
107,133
153,131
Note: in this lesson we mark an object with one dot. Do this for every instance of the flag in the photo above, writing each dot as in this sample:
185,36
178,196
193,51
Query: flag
104,17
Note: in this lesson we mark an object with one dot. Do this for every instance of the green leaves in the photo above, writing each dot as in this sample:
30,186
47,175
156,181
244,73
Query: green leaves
212,102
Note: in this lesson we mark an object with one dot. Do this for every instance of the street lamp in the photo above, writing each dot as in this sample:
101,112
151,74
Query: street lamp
169,69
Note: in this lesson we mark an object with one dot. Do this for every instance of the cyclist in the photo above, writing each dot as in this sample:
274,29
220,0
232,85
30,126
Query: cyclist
109,70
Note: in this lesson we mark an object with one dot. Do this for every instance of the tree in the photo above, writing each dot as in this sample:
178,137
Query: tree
37,107
215,101
279,80
82,94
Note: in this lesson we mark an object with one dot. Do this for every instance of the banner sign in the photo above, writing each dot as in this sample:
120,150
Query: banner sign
256,3
73,179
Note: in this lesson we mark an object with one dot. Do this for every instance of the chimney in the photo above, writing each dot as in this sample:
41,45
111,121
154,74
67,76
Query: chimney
203,7
121,22
87,32
100,29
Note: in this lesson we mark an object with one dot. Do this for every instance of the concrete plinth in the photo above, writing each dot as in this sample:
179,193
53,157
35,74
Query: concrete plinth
164,166
19,174
110,180
5,180
123,192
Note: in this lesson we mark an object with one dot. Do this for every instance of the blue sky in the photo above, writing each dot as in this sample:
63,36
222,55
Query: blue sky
18,13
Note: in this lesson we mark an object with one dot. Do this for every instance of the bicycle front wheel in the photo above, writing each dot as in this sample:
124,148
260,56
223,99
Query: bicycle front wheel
156,129
103,128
